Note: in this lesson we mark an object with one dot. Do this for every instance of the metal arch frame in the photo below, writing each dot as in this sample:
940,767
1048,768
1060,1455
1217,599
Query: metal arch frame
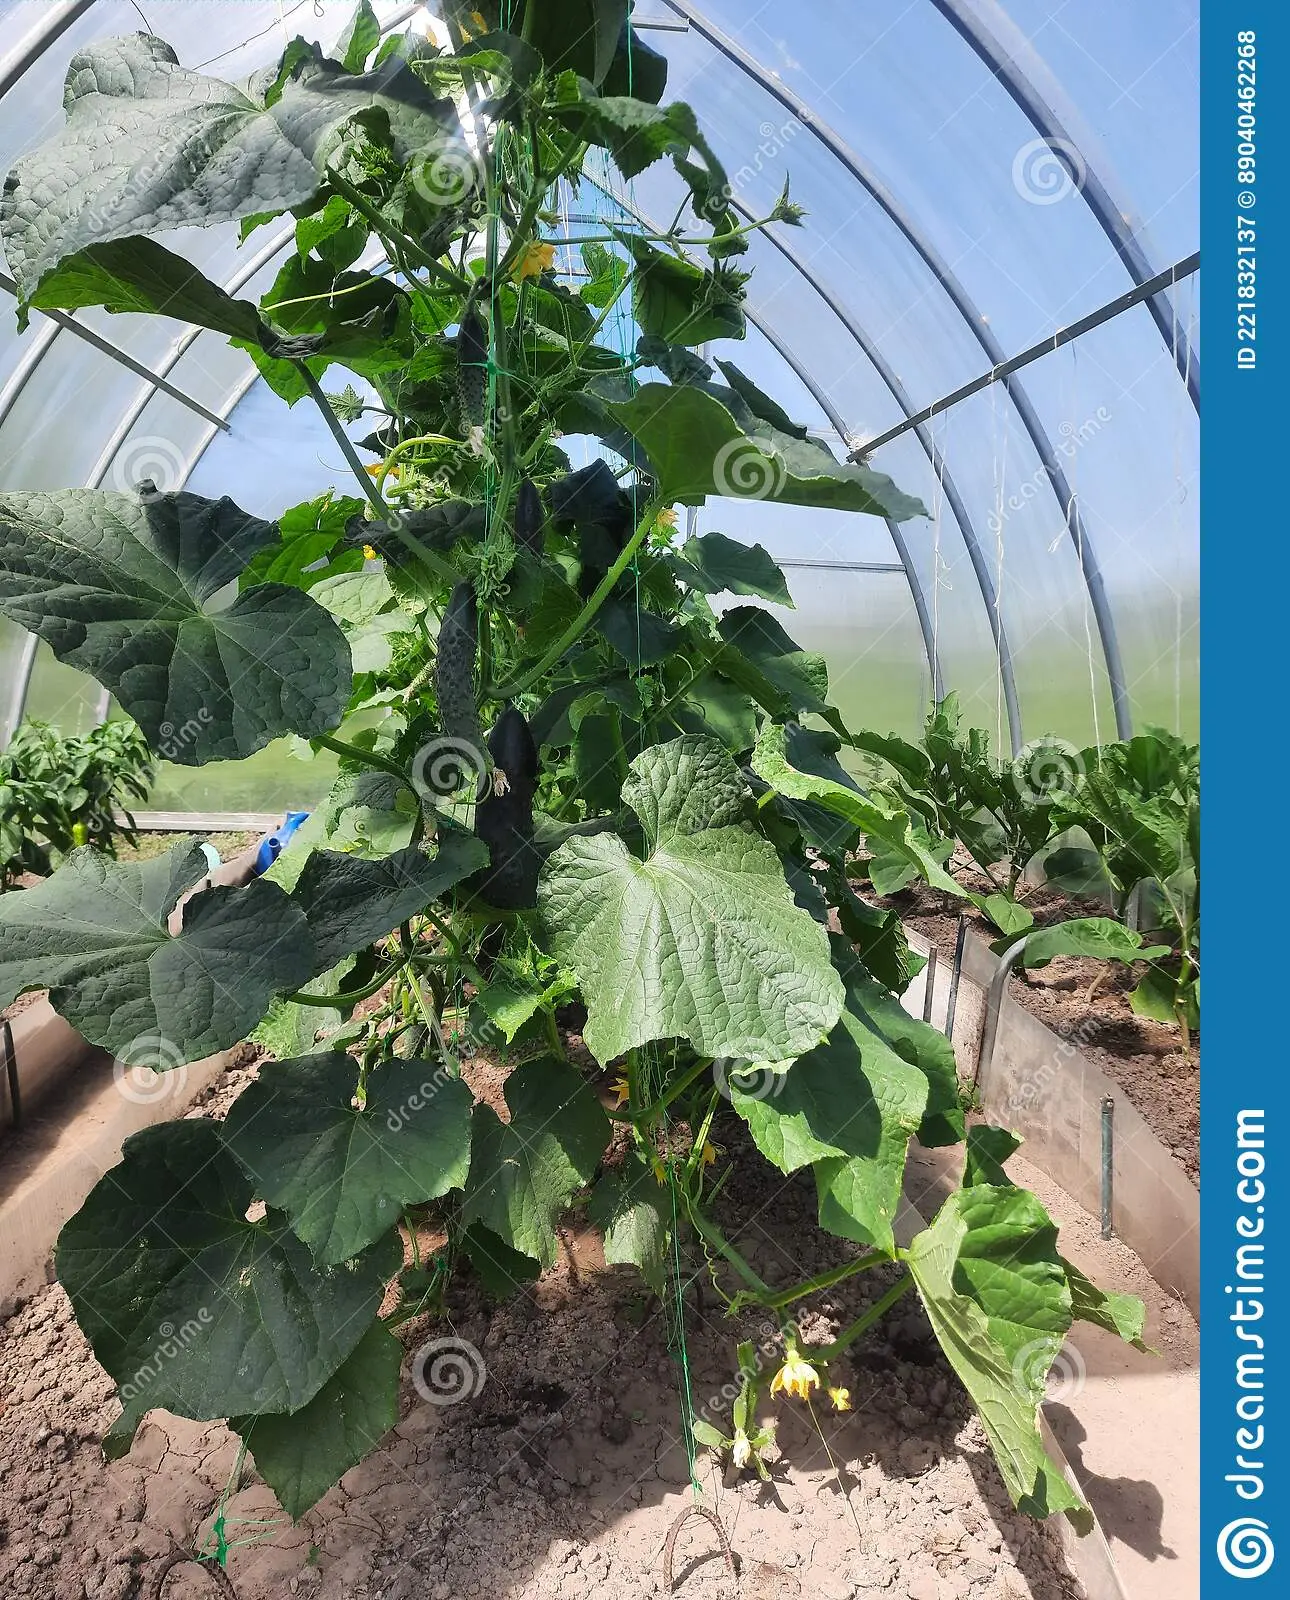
1110,215
967,309
177,351
897,537
826,405
59,18
967,528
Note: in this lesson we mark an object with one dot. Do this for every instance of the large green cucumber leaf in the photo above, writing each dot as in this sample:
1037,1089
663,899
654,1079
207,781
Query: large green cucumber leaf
714,564
847,1108
132,589
351,900
914,1040
189,1306
524,1172
702,939
877,819
143,276
697,448
988,1272
630,1208
300,1455
575,35
766,661
95,933
150,146
342,1174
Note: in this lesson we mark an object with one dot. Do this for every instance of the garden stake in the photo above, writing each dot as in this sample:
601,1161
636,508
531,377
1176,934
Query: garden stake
956,972
11,1074
929,982
1108,1162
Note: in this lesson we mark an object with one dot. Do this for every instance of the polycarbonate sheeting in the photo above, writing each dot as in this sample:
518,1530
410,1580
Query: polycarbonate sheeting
918,107
1130,442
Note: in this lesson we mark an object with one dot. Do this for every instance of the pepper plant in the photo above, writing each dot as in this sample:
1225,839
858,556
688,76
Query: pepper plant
564,777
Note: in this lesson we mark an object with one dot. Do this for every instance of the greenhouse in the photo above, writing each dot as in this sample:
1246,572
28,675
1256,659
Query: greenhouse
599,800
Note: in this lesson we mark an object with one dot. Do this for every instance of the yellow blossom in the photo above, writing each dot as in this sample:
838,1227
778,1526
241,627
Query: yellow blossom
369,552
659,1170
535,260
741,1449
667,518
708,1157
841,1399
797,1376
622,1093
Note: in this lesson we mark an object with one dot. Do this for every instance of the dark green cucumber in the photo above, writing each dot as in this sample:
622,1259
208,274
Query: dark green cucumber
529,518
504,817
472,369
454,668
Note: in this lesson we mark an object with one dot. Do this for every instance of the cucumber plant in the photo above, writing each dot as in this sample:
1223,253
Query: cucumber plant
656,826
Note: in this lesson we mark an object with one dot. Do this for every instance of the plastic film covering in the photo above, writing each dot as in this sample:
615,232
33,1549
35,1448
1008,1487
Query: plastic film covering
858,319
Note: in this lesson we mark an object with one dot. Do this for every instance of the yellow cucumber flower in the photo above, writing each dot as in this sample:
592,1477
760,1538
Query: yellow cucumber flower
536,259
841,1399
369,553
797,1375
622,1093
708,1156
741,1449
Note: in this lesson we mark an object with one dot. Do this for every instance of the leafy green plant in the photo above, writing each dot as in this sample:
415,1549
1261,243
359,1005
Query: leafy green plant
647,830
57,793
1138,803
1001,812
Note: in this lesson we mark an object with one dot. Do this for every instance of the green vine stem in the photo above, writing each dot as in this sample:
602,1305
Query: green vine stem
821,1281
585,617
863,1323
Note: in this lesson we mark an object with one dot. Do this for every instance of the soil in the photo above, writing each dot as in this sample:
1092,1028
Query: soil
563,1473
1146,1058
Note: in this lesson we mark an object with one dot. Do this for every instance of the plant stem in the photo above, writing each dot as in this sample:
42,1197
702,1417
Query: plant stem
367,758
583,620
712,1235
876,1311
351,997
822,1280
382,228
